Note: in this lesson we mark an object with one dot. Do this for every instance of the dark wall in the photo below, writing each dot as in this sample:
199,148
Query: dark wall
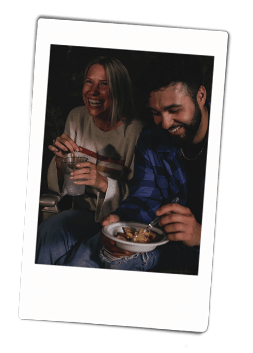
65,81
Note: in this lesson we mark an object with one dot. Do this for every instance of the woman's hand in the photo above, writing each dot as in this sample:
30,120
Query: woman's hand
112,218
88,171
62,146
110,244
180,224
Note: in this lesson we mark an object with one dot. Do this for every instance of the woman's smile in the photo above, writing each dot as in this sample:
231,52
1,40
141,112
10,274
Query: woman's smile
96,92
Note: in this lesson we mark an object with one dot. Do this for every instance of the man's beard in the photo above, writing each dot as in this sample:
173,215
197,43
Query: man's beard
190,130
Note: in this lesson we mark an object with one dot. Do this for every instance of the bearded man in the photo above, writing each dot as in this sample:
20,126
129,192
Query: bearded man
170,162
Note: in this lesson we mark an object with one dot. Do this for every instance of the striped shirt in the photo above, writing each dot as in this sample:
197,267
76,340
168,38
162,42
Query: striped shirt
113,154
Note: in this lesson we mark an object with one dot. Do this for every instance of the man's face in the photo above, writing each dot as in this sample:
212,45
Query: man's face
177,113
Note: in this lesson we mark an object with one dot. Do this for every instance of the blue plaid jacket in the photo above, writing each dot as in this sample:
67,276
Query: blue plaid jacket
158,178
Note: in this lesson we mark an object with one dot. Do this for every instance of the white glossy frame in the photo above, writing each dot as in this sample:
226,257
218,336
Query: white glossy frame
95,296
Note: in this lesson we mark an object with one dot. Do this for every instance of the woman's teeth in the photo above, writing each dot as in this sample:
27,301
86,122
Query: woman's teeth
95,102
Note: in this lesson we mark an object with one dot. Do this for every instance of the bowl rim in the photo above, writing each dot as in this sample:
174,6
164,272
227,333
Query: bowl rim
134,224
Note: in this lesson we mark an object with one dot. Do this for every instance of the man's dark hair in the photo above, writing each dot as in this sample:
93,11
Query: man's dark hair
172,69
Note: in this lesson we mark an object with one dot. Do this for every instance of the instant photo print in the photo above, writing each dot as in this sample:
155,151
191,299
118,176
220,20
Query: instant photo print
143,299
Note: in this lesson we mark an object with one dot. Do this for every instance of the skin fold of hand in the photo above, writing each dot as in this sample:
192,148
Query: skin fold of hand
179,224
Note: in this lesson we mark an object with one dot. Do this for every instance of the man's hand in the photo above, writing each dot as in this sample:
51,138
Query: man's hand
180,224
110,244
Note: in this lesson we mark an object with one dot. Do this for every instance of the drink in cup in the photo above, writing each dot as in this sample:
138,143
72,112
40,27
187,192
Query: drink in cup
68,166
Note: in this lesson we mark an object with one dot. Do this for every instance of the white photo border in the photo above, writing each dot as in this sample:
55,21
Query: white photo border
111,297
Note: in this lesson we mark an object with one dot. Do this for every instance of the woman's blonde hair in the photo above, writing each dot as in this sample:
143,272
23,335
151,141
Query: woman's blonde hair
120,88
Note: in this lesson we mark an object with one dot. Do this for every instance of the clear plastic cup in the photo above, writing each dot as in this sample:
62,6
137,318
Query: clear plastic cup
68,166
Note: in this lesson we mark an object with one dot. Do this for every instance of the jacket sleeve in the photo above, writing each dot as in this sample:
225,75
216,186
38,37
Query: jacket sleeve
144,195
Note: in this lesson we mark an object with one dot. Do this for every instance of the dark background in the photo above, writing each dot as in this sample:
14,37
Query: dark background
65,81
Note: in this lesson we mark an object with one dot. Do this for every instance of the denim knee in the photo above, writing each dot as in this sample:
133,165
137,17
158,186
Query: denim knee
59,233
136,262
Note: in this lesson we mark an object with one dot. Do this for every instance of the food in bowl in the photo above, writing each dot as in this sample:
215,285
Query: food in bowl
143,235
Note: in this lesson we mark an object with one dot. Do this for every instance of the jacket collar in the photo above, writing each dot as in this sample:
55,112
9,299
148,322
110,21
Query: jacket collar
163,143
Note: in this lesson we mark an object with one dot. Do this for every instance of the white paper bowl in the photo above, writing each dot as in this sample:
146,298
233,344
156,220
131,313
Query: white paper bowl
112,229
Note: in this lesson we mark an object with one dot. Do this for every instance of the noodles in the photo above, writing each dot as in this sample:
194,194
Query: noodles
141,236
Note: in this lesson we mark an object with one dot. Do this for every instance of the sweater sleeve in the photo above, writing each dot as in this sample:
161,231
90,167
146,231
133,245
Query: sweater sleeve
117,190
52,177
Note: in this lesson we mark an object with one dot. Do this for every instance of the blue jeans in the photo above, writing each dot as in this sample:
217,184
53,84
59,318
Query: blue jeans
72,238
85,253
174,257
60,233
90,253
148,261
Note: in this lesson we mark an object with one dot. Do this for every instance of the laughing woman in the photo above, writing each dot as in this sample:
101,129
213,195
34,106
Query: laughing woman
105,131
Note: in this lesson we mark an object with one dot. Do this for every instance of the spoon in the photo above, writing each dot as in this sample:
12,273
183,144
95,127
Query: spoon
156,220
